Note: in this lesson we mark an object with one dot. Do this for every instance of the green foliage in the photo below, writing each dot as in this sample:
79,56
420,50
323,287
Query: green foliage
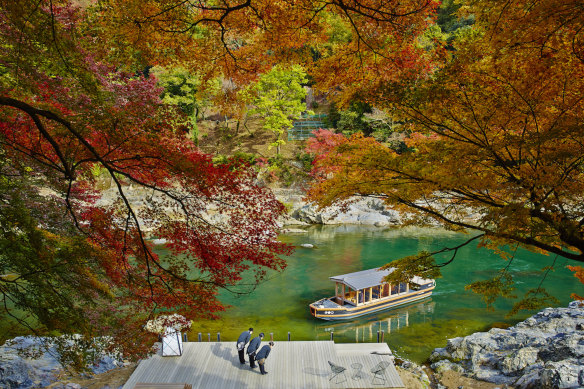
431,35
277,97
448,19
339,32
352,120
422,265
534,299
333,116
306,160
238,158
499,286
48,272
188,93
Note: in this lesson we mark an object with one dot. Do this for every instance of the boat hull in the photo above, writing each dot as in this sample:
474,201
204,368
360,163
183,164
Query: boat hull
350,312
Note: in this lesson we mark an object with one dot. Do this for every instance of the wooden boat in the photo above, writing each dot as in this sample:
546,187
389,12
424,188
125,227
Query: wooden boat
364,292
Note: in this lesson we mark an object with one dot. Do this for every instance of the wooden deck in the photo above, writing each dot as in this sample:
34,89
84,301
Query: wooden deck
290,365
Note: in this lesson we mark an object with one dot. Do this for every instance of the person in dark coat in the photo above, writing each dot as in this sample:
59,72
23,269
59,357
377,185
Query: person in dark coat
253,347
241,342
262,355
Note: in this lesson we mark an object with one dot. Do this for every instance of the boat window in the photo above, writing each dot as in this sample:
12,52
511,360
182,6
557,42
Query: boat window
375,292
402,287
385,291
394,289
351,296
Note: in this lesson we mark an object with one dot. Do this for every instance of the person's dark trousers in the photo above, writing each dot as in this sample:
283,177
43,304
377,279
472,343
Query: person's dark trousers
241,357
262,368
252,360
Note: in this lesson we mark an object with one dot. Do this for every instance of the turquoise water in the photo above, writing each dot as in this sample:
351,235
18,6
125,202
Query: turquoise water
280,304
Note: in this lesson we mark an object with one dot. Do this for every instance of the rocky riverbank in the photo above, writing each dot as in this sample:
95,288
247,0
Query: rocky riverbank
359,211
32,362
544,351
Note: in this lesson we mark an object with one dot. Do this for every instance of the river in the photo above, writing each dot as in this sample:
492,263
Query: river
280,304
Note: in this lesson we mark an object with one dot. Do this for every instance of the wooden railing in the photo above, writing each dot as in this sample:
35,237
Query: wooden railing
380,336
303,128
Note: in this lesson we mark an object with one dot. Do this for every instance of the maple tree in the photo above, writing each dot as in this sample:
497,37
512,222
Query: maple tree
497,141
347,46
73,261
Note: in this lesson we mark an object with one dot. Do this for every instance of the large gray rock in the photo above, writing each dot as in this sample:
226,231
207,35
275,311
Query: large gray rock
544,351
31,362
519,360
372,212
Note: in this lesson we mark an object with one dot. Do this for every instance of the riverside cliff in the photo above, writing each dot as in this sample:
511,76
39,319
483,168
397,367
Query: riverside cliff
543,351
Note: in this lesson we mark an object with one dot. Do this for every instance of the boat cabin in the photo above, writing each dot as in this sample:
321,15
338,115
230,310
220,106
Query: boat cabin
365,292
367,286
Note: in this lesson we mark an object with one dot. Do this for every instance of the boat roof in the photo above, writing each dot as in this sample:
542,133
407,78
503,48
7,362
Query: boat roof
371,277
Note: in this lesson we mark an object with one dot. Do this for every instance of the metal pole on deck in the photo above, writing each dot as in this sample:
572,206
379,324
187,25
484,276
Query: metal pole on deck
218,336
377,336
185,337
209,336
200,337
332,335
288,336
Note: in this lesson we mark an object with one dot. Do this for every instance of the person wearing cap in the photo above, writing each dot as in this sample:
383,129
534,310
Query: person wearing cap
253,347
262,355
241,342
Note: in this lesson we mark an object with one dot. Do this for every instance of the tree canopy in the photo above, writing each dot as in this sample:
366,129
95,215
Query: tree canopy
74,261
277,98
497,138
495,146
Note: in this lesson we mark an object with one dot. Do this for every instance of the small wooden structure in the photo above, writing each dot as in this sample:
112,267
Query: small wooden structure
364,292
290,365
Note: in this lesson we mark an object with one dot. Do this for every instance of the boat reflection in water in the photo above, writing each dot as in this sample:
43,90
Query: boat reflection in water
365,329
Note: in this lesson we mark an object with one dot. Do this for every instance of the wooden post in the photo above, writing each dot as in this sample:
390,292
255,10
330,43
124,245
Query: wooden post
382,336
218,336
370,290
200,337
288,336
271,336
336,289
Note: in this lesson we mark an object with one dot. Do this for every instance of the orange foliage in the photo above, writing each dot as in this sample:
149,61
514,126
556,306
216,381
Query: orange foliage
579,274
497,139
349,46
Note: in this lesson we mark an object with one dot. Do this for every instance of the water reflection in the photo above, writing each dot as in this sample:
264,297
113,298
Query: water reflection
365,329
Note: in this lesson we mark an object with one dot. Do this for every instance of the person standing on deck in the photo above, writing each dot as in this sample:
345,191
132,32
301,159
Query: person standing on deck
253,347
262,355
241,342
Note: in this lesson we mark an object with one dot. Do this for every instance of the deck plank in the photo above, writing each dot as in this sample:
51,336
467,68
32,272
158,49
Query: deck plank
297,364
